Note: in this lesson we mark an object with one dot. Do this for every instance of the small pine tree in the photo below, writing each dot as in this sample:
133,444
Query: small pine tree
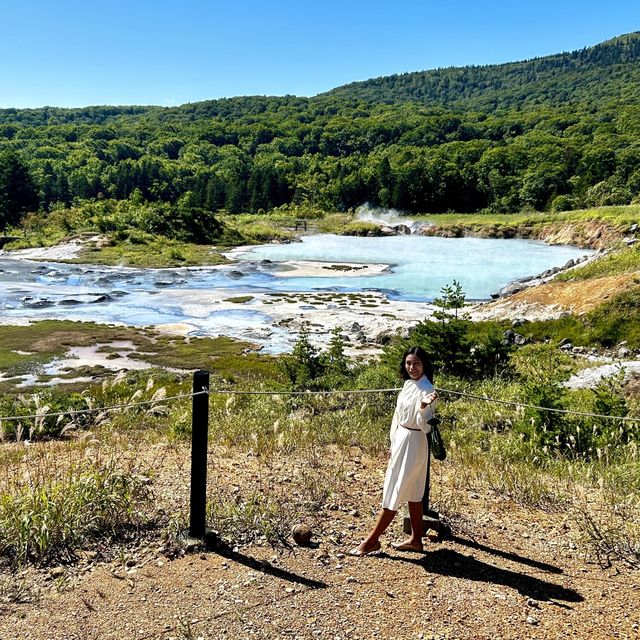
453,297
448,340
334,361
303,366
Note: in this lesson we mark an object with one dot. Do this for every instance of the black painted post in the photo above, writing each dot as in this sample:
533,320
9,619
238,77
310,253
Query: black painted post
199,443
430,519
427,484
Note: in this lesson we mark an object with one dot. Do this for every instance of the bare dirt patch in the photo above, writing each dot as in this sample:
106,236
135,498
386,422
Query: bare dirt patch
579,296
596,234
507,571
552,299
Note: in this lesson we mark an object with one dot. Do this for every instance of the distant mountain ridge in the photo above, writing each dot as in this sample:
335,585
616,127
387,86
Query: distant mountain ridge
607,71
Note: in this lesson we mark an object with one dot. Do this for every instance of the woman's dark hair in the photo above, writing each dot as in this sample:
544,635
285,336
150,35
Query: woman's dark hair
423,357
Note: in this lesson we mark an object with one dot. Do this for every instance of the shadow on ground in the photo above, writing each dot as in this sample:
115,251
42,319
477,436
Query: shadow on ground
450,563
507,555
224,550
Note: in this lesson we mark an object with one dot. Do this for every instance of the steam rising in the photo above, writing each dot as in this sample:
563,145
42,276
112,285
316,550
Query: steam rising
387,218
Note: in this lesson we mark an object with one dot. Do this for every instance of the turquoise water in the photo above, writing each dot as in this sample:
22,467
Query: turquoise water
420,265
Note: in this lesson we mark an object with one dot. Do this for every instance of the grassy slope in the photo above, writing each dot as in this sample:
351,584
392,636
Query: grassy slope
595,228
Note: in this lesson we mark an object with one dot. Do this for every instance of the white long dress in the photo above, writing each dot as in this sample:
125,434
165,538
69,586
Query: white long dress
407,469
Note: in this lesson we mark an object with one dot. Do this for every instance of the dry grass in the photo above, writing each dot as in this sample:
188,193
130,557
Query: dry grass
275,461
578,296
58,497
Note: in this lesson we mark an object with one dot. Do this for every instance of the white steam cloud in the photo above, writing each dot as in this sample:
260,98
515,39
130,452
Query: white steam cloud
387,217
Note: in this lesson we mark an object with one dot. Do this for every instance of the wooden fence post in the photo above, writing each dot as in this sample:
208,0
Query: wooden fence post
199,446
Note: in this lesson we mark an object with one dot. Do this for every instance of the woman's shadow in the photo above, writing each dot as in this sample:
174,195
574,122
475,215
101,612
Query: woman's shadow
451,563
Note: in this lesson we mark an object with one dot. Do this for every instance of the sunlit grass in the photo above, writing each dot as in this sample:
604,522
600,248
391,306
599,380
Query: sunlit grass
151,252
308,438
625,260
623,215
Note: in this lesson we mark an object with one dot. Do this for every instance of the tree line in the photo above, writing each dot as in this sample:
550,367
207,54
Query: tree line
339,151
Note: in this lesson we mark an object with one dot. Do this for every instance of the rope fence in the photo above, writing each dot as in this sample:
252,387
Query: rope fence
533,406
464,394
200,395
78,412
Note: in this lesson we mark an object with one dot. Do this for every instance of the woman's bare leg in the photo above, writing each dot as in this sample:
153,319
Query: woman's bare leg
415,515
384,520
415,541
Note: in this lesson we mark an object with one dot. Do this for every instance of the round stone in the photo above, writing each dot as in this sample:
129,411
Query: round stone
301,534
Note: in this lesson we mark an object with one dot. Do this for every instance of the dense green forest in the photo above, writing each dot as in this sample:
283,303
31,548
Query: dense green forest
554,133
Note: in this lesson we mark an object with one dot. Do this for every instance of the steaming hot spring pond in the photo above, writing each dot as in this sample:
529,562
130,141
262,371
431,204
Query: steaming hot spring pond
419,266
248,298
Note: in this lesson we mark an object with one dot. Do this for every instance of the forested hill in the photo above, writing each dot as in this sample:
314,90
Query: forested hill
606,73
596,75
565,134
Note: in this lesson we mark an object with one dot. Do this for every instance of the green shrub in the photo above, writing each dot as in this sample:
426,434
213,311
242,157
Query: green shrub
595,438
562,203
617,320
542,368
309,368
361,229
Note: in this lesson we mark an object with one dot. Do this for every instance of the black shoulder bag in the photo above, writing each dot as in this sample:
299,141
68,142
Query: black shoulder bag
436,443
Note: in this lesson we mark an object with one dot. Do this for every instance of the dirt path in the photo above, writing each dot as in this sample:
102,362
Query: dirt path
507,572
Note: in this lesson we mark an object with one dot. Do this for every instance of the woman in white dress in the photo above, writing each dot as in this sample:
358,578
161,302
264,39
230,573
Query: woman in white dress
407,468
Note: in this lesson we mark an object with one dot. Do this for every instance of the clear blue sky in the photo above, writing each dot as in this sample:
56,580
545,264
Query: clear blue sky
76,53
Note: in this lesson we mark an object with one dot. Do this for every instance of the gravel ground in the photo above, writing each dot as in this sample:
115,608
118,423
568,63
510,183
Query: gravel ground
505,572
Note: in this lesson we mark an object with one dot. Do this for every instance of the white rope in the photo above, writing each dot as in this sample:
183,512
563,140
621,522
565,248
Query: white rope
310,393
458,393
533,406
76,412
300,393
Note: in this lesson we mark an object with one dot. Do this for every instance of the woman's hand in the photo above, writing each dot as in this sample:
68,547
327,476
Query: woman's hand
427,399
